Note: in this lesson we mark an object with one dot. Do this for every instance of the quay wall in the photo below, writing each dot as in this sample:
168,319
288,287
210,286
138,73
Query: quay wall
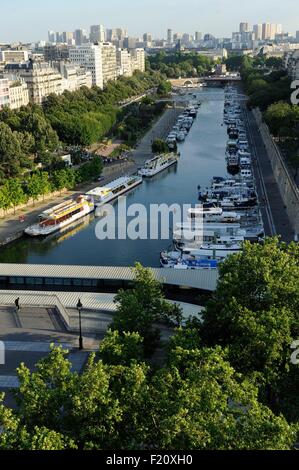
287,186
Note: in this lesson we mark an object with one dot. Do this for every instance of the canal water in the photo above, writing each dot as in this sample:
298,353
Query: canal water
202,156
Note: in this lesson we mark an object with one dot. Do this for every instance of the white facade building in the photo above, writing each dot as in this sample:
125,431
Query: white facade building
90,57
74,76
109,62
41,79
18,93
4,93
138,59
124,62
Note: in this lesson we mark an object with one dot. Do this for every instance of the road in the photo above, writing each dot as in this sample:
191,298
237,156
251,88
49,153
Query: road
273,211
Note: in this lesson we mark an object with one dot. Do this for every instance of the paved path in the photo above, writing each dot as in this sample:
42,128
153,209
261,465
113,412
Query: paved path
160,130
273,211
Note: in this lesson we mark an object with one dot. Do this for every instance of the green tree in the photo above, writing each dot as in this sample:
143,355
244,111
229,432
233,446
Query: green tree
10,152
121,349
34,187
159,146
139,308
164,88
254,313
15,189
199,402
45,183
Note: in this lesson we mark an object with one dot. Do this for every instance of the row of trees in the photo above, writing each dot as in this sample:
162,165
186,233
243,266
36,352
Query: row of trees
271,92
139,118
224,383
262,87
15,191
179,64
235,62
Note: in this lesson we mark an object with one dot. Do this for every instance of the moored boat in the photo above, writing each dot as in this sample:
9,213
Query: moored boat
157,164
60,216
105,194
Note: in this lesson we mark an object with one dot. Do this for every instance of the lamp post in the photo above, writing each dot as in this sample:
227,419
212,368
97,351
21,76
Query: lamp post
79,308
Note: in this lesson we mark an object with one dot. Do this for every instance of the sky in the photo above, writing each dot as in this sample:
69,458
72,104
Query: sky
30,20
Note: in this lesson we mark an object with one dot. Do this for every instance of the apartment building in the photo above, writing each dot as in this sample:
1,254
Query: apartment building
138,59
109,61
41,79
124,62
14,92
90,57
53,52
18,92
4,92
74,76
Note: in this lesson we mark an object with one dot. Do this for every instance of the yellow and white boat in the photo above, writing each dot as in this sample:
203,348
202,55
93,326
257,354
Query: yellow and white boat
58,217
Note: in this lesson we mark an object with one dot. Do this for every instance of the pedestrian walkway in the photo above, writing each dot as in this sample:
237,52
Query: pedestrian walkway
274,213
36,346
25,351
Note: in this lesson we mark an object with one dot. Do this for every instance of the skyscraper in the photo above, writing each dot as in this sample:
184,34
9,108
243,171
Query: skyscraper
97,33
244,27
80,37
270,30
51,36
67,37
198,36
297,36
258,31
169,36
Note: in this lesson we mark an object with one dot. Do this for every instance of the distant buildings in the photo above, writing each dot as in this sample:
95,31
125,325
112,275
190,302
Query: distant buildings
269,30
258,31
244,28
169,37
198,36
97,34
80,37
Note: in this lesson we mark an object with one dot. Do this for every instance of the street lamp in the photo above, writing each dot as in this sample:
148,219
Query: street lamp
79,308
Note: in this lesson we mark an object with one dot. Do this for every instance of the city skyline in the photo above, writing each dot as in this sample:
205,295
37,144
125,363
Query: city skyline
215,20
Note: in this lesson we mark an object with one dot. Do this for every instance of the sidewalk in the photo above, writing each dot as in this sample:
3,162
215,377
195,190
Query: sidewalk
263,170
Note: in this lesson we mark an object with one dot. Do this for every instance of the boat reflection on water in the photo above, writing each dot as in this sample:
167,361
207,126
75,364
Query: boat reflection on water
66,233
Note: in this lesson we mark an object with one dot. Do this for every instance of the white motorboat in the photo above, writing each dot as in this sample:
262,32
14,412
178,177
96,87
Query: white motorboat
105,194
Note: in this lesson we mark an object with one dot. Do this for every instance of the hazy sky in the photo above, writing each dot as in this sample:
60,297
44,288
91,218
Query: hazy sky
31,19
